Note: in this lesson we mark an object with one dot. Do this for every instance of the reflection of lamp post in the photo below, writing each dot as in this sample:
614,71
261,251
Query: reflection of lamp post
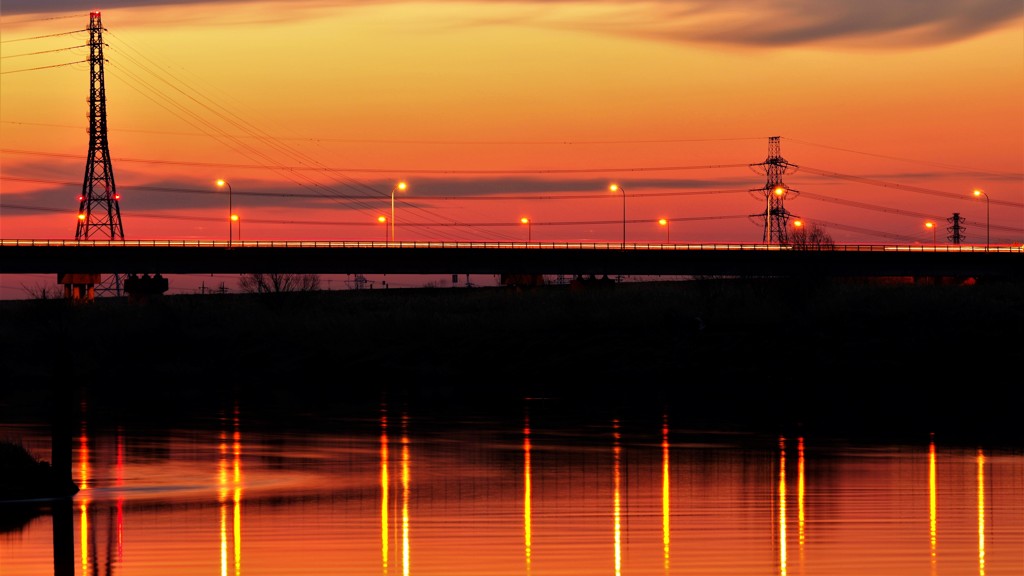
988,219
384,220
529,226
931,226
222,183
668,229
617,188
400,186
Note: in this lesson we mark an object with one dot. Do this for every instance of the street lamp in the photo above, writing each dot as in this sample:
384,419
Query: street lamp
664,222
222,183
988,218
529,226
400,186
617,188
931,226
384,220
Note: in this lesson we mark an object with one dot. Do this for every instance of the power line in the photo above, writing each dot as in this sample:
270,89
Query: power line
45,67
924,162
43,36
44,52
364,223
905,187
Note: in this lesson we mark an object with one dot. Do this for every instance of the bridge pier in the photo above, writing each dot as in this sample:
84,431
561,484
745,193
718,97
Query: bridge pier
79,287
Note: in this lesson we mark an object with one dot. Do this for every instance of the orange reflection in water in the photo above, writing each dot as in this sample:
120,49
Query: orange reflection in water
981,513
617,507
83,505
933,506
800,491
405,497
732,519
782,507
665,493
229,479
527,495
119,483
385,485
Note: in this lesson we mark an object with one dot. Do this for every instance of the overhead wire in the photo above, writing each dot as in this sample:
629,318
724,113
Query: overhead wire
40,52
909,160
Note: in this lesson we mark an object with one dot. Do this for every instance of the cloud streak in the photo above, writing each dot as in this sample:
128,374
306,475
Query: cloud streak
741,23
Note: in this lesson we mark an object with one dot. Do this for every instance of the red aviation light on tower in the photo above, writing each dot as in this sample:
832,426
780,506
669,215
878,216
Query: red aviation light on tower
94,14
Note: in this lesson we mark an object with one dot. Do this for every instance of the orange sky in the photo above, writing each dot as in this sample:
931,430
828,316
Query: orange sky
497,110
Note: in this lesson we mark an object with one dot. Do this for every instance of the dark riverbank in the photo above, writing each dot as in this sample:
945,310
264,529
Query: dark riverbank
835,358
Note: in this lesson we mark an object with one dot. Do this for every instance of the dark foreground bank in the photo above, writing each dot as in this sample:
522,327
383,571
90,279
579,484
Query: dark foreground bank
829,357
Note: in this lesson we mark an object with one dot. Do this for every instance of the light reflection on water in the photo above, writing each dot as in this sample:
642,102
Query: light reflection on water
396,494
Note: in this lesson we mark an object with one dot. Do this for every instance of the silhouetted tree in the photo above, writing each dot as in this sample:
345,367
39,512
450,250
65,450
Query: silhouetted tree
41,292
811,237
260,283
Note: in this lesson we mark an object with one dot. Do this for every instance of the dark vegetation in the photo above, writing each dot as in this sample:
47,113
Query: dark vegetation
24,476
879,360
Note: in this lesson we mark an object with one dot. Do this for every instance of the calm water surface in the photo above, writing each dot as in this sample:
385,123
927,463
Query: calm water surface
393,493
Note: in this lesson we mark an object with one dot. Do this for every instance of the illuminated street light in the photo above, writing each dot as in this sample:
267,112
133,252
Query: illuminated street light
529,226
988,219
931,226
222,183
384,220
664,222
617,188
400,186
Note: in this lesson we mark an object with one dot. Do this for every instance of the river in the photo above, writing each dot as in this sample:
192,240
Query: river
388,490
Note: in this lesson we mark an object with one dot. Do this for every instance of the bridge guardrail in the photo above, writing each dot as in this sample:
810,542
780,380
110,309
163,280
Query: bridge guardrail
635,246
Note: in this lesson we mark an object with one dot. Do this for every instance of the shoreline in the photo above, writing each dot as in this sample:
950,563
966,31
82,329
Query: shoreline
823,356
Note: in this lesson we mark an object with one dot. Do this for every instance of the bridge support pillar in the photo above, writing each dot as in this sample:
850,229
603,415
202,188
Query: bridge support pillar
79,287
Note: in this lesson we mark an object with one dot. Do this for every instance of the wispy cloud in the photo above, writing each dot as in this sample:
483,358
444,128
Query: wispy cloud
765,23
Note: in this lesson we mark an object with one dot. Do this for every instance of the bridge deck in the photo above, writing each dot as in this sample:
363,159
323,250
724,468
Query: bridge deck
318,257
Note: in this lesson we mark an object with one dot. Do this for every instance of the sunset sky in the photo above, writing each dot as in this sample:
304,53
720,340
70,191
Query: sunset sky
891,113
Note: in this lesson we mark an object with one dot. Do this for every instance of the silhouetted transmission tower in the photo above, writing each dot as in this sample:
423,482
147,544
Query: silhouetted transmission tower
956,230
774,192
98,211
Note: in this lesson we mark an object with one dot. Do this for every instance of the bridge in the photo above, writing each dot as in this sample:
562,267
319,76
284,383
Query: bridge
613,259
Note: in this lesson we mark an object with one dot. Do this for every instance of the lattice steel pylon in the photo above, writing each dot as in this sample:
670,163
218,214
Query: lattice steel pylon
99,214
774,193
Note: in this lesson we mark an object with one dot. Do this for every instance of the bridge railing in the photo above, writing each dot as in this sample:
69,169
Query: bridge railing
634,246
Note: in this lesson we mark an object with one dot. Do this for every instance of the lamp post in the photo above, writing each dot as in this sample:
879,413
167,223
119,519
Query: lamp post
222,183
400,186
988,219
529,226
617,188
668,229
931,226
384,220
